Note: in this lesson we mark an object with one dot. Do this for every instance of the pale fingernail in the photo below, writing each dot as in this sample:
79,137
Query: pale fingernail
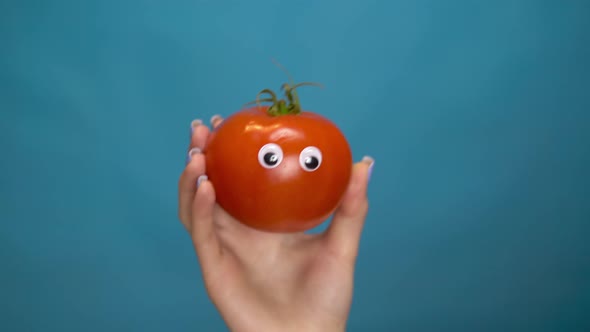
214,119
191,153
371,163
195,124
201,179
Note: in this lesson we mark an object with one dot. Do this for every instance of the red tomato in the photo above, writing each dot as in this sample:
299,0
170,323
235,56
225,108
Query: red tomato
278,172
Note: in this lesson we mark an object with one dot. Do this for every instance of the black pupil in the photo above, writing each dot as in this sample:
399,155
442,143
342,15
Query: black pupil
311,162
271,159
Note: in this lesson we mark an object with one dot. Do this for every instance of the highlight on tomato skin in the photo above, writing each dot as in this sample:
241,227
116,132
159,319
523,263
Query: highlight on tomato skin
278,168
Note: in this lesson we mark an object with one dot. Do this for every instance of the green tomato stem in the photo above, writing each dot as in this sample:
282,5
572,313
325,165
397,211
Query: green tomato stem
290,106
281,106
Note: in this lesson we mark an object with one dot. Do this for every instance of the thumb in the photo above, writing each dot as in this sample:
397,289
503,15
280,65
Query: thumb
343,234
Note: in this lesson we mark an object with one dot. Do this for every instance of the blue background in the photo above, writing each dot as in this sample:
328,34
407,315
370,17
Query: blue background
477,114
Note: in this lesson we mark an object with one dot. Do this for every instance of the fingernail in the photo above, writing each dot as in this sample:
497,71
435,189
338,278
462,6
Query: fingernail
214,119
201,179
191,153
195,124
371,163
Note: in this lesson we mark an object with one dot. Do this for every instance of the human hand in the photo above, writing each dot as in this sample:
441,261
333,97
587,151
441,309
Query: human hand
263,281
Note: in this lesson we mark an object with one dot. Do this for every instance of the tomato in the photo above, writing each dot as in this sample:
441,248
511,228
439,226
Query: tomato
277,168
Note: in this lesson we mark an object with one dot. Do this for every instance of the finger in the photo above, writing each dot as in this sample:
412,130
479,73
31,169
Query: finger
199,134
187,184
202,226
343,234
216,120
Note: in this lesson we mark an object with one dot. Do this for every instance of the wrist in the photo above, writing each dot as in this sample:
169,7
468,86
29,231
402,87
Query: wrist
332,327
289,327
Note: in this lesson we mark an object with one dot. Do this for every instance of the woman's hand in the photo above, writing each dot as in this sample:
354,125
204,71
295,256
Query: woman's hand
266,281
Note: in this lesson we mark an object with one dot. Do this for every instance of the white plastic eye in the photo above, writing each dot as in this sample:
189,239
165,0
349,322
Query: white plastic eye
310,158
270,155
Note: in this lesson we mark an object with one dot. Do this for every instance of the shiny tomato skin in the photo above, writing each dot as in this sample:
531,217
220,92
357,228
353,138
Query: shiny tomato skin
286,198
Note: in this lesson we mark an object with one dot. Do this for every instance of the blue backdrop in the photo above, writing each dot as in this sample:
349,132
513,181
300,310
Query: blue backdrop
477,114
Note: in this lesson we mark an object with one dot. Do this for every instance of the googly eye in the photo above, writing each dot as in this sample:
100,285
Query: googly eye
310,158
270,155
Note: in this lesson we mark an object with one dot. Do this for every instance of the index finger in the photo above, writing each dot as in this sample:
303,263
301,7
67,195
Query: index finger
199,134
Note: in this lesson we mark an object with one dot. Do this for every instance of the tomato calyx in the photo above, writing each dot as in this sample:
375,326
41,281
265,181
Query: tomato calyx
281,106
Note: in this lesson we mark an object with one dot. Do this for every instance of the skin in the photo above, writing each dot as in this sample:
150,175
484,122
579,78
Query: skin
262,281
